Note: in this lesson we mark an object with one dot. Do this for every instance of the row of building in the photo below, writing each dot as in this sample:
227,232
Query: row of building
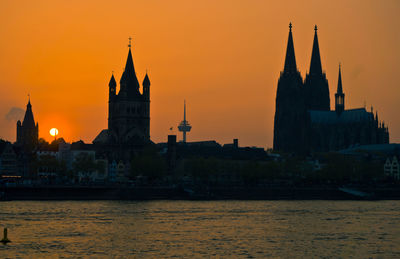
64,163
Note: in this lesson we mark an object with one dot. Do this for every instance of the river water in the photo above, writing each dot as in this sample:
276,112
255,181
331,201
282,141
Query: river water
201,229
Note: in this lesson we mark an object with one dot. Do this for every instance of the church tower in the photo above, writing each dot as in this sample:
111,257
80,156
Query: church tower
27,131
290,112
316,85
112,89
339,96
129,110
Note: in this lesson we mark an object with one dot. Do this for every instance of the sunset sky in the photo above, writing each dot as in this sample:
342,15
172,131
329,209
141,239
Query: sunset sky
224,57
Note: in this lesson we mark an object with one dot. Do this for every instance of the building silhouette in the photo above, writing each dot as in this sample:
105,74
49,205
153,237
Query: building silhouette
128,110
303,120
27,131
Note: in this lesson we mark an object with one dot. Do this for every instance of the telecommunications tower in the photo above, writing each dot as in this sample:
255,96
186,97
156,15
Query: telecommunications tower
184,126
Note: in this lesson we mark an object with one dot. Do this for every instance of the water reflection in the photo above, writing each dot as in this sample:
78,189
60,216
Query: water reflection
242,229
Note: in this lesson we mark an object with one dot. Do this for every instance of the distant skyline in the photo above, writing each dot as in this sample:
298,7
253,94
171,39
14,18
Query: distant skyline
223,57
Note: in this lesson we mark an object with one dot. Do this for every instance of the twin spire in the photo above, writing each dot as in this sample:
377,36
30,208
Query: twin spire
290,60
315,82
315,65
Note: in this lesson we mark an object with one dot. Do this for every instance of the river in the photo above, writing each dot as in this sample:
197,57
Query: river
201,229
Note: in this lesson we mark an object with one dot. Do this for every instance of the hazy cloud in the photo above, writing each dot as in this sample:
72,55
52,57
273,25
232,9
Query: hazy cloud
15,114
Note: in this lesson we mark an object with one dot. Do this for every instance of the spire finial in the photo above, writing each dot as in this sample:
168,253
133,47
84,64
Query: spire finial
290,59
315,28
184,109
130,42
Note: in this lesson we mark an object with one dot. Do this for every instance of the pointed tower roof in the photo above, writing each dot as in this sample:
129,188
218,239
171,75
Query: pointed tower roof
28,122
315,66
290,60
339,84
129,75
146,80
112,82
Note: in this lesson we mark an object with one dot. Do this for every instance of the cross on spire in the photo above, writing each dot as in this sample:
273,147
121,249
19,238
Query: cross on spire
290,60
315,66
130,42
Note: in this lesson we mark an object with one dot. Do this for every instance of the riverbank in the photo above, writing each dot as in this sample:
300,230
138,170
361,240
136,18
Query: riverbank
210,193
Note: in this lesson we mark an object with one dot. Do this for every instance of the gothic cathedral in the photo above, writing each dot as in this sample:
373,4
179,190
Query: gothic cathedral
303,120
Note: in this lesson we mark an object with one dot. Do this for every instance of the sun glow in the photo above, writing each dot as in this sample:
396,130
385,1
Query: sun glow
54,132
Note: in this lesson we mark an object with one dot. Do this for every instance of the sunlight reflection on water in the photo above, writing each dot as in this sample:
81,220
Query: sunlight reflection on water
238,229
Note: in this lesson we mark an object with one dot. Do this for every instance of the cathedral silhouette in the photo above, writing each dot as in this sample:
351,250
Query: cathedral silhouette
303,120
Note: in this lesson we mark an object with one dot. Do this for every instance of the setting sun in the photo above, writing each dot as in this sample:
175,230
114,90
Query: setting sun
54,132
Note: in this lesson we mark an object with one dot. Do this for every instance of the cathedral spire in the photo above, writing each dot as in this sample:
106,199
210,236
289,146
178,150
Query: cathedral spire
128,77
315,66
290,60
339,85
316,85
339,96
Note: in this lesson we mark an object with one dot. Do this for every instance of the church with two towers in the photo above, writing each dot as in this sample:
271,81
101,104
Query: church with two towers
303,120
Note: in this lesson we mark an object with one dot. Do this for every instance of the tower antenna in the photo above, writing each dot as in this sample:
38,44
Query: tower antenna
184,126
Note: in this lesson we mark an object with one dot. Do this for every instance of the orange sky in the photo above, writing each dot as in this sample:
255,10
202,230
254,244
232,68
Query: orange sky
224,57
